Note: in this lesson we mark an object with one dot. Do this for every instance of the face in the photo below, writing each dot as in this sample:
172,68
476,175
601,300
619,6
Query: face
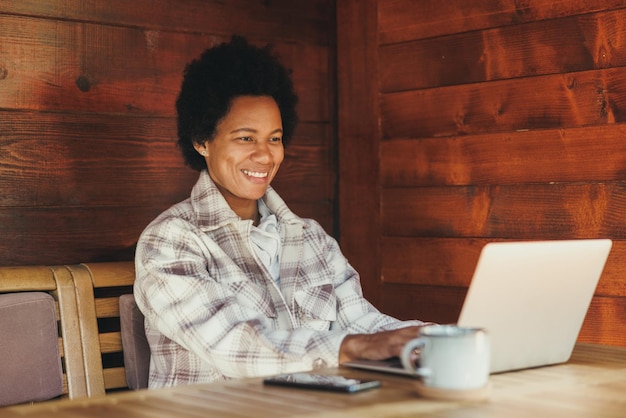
246,152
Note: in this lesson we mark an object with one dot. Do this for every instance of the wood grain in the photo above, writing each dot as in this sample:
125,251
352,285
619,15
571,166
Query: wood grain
516,211
87,119
591,383
603,324
75,66
576,43
406,20
358,138
586,154
533,103
452,261
297,20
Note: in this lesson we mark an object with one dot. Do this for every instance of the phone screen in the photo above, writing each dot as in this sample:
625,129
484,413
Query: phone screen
323,382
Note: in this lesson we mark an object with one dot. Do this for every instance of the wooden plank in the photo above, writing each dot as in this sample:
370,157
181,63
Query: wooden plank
430,261
358,138
405,20
72,330
113,274
526,211
89,334
110,342
440,304
604,323
114,378
80,159
107,307
26,279
61,159
66,234
307,174
555,101
452,261
301,20
83,67
571,44
595,153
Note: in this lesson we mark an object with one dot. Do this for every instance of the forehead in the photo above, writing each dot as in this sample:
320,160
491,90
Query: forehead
256,110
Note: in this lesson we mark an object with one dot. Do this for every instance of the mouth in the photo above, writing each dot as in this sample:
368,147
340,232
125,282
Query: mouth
255,174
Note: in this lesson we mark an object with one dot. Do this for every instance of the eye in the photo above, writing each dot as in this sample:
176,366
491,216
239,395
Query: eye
245,138
276,139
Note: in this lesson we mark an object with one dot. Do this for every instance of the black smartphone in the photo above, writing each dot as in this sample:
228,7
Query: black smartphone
322,382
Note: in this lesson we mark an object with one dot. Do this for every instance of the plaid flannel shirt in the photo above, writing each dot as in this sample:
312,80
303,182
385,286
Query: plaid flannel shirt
213,312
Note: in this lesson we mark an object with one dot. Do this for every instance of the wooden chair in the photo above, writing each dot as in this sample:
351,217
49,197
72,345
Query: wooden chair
98,288
28,285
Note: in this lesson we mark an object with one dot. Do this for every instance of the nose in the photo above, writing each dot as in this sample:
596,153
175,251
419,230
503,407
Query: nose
262,152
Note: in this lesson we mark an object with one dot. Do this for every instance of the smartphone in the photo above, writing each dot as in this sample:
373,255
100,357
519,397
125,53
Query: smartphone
322,382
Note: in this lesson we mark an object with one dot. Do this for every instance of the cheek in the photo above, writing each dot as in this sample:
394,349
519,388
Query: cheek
279,156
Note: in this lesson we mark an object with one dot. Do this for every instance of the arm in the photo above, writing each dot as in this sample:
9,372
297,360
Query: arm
373,335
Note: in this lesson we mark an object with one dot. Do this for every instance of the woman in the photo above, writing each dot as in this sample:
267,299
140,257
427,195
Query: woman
231,282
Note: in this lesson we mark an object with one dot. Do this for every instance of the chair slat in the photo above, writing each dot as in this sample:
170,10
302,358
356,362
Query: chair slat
115,378
108,307
111,342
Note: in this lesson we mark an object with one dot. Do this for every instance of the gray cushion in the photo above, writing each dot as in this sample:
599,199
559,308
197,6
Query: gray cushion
134,343
30,363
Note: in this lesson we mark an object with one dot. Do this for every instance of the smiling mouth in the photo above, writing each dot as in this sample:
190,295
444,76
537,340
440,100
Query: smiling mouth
256,174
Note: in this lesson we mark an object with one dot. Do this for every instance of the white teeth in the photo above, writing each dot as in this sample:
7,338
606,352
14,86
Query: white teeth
254,174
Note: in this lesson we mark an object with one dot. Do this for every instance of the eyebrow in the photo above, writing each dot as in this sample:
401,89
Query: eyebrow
277,130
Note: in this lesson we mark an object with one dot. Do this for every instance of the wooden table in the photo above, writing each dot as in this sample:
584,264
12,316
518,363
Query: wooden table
592,384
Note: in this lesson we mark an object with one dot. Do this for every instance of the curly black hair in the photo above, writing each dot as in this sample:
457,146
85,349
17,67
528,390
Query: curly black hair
219,75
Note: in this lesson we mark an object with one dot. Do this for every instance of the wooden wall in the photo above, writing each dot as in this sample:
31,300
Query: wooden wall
466,122
87,119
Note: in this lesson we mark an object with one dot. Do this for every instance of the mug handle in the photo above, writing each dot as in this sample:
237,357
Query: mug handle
407,362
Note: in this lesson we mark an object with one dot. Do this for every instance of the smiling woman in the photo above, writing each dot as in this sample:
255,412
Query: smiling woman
231,282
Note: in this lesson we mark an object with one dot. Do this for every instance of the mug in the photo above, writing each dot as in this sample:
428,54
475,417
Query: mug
450,357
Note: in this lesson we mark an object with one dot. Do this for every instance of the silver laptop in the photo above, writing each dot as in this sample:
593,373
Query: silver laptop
532,297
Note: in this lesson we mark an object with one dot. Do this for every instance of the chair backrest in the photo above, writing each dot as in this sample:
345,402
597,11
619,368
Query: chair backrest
40,355
135,344
30,362
98,288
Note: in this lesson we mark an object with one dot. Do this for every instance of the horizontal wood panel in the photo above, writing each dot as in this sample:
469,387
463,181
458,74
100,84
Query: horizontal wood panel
430,261
452,261
555,101
604,322
596,153
111,342
72,235
306,20
92,160
405,20
108,307
440,304
82,67
114,378
104,275
577,43
529,211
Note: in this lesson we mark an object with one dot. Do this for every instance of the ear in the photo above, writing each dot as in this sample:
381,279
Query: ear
201,148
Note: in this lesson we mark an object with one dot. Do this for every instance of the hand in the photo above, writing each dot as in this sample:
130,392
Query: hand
377,346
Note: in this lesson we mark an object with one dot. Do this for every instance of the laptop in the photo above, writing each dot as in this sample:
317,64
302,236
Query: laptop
532,298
